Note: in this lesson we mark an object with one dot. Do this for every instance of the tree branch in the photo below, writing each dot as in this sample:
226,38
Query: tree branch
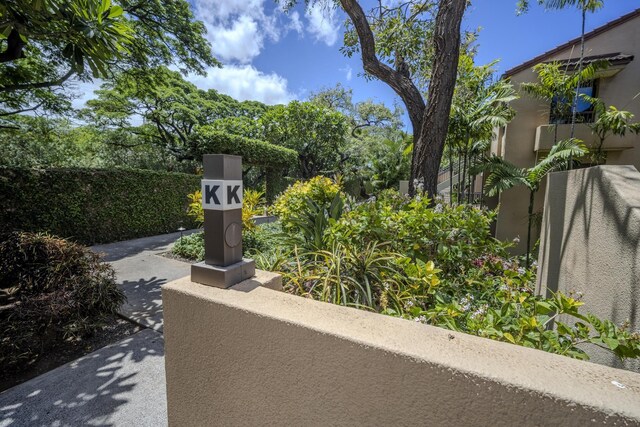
24,110
400,83
30,86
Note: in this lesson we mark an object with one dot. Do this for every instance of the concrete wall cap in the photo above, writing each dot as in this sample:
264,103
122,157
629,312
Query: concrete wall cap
535,372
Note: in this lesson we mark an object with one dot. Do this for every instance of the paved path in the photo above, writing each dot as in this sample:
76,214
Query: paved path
140,271
119,385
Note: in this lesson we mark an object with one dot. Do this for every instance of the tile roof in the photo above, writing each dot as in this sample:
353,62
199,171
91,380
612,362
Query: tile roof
540,58
612,58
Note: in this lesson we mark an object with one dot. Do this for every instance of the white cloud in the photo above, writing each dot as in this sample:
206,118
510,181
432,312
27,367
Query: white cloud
237,29
296,23
348,72
322,23
245,82
224,9
241,42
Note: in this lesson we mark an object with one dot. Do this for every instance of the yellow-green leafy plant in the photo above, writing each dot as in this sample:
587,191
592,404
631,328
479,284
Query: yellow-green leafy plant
252,201
437,265
321,190
252,204
195,210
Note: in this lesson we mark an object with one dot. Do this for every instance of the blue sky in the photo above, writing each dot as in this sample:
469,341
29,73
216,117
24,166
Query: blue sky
275,57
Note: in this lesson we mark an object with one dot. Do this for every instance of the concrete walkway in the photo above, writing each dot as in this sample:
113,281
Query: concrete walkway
119,385
140,271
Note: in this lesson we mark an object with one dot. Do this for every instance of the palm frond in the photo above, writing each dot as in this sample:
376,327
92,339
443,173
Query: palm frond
558,158
502,175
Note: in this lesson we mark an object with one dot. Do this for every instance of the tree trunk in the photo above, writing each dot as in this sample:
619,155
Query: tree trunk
471,192
459,191
427,151
429,126
463,194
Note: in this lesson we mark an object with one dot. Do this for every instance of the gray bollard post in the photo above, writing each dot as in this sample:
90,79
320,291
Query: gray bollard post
223,264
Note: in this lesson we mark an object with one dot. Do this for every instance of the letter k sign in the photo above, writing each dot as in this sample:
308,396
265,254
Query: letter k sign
221,195
210,195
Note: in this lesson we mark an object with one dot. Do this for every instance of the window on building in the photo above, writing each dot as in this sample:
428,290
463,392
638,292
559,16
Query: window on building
560,110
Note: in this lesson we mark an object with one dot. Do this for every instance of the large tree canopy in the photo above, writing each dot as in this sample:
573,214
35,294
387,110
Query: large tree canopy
43,44
316,133
165,110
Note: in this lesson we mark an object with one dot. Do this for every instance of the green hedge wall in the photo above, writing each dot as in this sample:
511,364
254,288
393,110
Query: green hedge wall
253,151
95,205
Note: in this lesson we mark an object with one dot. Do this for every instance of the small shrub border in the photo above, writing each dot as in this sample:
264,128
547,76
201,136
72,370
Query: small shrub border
92,206
52,291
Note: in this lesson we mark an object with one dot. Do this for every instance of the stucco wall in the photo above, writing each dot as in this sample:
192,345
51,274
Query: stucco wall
590,243
619,90
260,357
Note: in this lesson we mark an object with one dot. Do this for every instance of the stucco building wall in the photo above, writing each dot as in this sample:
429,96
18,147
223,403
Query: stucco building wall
260,357
590,243
516,143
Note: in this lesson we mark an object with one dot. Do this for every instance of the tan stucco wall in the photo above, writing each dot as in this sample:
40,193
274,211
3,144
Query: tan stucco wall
590,243
260,357
520,134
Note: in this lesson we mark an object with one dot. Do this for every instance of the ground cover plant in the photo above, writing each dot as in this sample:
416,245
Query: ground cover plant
52,292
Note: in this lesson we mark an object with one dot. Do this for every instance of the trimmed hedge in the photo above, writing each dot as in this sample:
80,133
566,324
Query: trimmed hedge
95,205
253,151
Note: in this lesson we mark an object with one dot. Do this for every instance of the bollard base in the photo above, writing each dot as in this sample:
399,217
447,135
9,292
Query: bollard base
223,277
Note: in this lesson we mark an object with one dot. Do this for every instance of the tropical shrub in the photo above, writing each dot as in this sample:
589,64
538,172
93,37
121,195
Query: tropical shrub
190,247
451,236
437,265
260,239
51,290
294,200
252,205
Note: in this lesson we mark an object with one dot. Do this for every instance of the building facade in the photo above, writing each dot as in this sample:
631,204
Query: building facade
532,132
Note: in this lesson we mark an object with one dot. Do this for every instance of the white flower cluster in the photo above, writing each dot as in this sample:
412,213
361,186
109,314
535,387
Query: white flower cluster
421,319
418,184
465,303
480,311
438,208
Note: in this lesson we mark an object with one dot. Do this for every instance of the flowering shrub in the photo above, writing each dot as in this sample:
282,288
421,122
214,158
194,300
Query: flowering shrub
451,236
436,265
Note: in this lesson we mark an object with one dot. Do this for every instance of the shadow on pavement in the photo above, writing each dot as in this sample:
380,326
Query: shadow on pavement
144,301
121,384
